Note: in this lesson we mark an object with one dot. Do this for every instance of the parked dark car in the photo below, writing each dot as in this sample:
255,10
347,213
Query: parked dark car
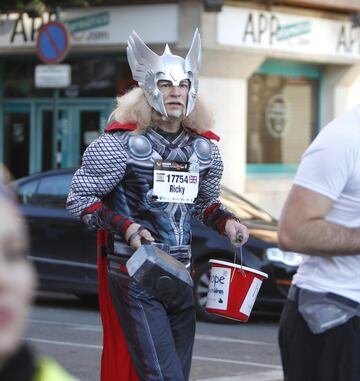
64,250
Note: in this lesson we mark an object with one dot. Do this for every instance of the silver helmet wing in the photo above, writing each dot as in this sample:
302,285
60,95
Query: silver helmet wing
148,68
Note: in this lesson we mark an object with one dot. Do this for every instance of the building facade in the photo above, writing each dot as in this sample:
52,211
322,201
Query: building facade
273,74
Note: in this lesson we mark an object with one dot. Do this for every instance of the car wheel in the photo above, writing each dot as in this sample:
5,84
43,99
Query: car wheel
201,284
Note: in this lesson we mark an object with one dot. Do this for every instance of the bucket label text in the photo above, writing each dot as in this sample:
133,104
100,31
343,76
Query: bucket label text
218,288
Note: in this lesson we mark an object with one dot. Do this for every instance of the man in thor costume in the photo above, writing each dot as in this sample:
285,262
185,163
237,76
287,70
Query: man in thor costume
157,135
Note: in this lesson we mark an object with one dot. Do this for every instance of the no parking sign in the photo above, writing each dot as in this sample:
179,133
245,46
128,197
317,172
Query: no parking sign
53,42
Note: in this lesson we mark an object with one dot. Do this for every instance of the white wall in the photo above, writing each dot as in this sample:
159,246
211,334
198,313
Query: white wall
223,83
354,90
342,90
228,100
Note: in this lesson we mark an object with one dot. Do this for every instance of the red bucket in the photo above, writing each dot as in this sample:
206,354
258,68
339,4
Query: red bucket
233,289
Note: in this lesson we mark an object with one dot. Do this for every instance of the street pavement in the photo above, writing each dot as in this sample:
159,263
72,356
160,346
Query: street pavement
70,331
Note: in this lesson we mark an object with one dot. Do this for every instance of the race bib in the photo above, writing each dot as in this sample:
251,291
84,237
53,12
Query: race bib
175,181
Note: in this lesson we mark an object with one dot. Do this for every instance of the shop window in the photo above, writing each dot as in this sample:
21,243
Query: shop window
19,79
90,77
282,118
97,78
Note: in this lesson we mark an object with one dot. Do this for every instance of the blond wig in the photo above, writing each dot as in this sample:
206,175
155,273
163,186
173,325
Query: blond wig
133,107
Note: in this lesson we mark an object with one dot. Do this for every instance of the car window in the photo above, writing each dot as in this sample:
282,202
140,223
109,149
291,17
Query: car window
242,208
53,191
26,192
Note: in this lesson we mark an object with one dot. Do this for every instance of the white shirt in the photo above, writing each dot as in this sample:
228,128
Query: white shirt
331,167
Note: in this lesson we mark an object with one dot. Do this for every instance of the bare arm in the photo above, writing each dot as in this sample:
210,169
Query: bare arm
303,227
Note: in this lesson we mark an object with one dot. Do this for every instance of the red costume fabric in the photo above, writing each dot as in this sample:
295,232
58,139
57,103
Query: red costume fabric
115,126
116,363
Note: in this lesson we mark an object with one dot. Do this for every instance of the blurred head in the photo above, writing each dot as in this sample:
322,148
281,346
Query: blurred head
151,70
17,277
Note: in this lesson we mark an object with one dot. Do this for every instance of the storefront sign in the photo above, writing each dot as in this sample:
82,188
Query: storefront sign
280,32
52,76
156,23
84,23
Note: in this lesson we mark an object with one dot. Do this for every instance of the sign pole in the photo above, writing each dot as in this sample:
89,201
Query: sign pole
52,46
56,130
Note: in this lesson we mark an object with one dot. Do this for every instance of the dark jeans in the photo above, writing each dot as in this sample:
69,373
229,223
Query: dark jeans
330,356
160,341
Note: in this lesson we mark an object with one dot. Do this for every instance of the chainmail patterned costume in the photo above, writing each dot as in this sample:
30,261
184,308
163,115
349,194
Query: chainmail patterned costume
119,166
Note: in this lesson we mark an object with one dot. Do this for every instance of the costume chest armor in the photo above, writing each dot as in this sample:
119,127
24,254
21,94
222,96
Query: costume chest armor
169,222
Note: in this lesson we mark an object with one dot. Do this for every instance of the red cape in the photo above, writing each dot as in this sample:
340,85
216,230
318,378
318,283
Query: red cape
116,363
115,126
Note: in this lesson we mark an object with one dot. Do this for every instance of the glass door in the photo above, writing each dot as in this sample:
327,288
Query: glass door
51,135
17,141
88,122
61,143
90,127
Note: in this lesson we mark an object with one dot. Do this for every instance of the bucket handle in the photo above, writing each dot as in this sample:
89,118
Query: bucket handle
238,254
